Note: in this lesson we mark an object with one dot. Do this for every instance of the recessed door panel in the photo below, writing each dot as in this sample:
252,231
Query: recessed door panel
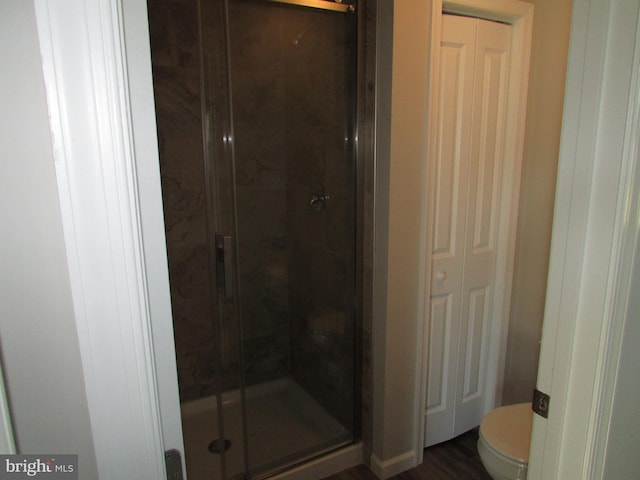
472,334
487,149
455,92
439,352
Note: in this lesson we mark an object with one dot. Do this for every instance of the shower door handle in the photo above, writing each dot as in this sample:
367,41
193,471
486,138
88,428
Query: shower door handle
224,265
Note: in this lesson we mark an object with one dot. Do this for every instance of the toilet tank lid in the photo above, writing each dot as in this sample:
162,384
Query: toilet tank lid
508,430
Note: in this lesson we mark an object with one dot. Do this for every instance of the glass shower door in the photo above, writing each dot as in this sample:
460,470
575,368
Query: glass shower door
279,115
293,89
229,447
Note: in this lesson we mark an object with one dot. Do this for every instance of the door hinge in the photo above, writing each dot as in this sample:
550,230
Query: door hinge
173,462
540,403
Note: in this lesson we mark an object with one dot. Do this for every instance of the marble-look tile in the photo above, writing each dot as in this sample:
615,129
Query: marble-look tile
319,274
309,150
259,98
162,35
316,69
259,151
331,229
177,95
327,376
174,40
173,31
256,32
266,357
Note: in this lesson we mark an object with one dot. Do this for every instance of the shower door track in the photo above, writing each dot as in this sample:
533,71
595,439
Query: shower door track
321,4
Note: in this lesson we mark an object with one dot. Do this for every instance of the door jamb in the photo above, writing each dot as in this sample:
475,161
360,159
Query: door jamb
594,237
101,116
7,440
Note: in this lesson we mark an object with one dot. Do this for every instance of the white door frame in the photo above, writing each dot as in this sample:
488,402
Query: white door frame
7,441
101,114
520,16
594,235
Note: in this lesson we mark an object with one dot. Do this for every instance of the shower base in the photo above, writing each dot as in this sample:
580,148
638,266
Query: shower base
285,426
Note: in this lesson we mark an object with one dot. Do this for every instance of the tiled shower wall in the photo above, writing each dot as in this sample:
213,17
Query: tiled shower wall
295,263
320,59
259,113
176,78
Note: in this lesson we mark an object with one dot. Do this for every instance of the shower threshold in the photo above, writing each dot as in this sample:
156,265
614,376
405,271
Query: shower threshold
285,427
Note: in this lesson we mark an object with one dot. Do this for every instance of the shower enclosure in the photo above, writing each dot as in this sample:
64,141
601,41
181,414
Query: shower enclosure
257,104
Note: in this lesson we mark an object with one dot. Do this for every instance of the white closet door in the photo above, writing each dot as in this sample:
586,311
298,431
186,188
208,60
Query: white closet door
485,173
457,64
472,83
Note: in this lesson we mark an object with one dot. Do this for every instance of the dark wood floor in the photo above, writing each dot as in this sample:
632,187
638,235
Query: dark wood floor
455,459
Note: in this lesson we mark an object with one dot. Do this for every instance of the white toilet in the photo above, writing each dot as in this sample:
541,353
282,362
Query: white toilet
503,445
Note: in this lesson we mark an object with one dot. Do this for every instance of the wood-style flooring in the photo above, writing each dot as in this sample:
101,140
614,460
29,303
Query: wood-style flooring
455,459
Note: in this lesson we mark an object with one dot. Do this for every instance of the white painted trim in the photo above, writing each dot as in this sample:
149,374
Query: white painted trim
393,466
520,15
84,60
7,442
625,240
593,235
135,31
568,235
508,11
422,368
626,243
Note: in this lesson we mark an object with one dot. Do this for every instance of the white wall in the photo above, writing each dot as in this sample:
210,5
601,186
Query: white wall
37,330
400,212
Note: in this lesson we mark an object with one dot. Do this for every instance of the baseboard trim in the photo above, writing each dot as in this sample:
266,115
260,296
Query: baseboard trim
388,468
